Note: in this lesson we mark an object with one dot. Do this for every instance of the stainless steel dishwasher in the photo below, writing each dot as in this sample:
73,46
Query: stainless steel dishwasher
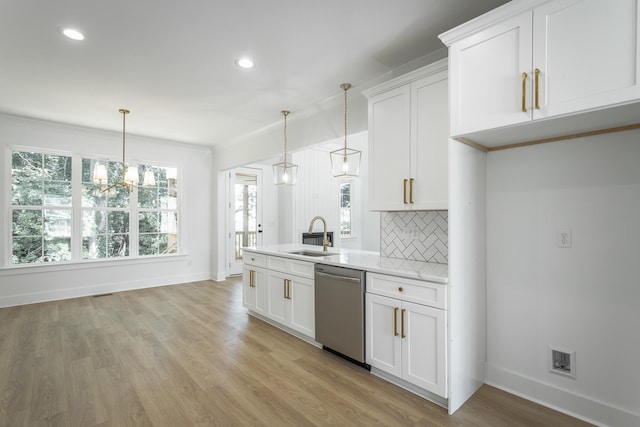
339,308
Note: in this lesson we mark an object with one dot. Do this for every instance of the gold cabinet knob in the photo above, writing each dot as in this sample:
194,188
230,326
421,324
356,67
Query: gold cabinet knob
400,289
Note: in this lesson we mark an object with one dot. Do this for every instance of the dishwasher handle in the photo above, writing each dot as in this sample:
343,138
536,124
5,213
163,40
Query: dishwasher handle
333,276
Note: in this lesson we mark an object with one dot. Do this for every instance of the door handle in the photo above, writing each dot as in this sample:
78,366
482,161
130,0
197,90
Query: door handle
402,323
333,276
524,92
411,190
405,191
395,321
537,74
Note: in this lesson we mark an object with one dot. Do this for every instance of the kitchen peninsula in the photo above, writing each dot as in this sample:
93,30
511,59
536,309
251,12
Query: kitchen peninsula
283,286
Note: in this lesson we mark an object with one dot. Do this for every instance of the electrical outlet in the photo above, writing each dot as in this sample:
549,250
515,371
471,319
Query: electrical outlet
564,238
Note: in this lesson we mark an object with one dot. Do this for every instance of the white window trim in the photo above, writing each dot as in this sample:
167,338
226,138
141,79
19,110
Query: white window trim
76,213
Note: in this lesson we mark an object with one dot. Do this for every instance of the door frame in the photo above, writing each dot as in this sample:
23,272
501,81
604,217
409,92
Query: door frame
233,266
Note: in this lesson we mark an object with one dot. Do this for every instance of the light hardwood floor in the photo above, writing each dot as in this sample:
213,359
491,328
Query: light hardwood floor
189,355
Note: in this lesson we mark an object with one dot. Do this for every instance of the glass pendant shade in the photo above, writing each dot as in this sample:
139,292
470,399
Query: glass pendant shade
345,162
285,173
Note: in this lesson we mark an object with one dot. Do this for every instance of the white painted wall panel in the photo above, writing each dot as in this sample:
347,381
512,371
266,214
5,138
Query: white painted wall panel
584,298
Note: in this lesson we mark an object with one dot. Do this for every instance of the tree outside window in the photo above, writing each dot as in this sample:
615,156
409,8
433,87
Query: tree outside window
40,207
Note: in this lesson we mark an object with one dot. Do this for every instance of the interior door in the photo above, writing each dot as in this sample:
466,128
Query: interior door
244,225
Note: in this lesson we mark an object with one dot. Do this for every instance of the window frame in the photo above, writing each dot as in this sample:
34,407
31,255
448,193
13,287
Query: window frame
351,183
77,209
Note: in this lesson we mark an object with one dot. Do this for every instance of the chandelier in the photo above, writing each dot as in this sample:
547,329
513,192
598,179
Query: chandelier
129,175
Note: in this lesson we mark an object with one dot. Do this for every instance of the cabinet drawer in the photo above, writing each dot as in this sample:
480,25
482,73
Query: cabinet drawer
417,291
290,266
254,259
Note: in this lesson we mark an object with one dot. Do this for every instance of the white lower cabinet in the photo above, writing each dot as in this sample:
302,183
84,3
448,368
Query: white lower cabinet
254,285
280,289
291,301
406,339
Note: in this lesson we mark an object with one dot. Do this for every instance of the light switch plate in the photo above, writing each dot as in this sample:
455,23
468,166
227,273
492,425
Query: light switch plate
563,238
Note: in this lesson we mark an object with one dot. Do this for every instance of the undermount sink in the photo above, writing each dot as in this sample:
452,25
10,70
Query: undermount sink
311,253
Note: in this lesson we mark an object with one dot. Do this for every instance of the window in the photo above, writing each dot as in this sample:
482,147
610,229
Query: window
113,224
105,216
158,213
40,207
346,211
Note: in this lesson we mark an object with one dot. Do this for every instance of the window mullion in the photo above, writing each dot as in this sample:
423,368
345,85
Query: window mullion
133,223
76,204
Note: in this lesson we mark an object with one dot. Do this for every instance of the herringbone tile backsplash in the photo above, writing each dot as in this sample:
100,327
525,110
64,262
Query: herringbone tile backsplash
419,236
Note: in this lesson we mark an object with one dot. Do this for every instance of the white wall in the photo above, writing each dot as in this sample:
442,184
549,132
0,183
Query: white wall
19,285
584,298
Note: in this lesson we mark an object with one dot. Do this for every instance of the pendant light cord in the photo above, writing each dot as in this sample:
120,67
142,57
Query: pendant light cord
346,87
285,114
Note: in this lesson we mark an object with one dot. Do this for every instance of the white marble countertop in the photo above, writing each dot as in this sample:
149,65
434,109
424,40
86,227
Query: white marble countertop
361,260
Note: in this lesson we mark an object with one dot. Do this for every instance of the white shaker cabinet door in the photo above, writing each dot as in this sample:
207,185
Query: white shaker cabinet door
276,307
389,148
430,142
254,282
424,361
382,338
486,77
301,295
585,60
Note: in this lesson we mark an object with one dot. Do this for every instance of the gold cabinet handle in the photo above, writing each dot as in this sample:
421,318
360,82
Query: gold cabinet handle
395,321
284,288
405,191
288,288
251,284
524,92
537,74
411,190
402,323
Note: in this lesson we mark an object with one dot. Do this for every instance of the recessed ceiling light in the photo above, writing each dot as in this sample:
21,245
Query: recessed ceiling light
72,33
244,63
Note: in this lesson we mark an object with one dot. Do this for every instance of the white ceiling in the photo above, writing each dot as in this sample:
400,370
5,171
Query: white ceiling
172,63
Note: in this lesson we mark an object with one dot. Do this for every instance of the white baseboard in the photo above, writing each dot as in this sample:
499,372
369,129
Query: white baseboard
218,277
76,292
581,407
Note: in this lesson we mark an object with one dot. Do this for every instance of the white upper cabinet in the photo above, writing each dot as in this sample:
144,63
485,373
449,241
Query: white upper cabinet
408,141
486,77
587,55
534,60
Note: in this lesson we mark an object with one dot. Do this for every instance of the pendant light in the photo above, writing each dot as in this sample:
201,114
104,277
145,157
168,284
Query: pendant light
345,161
285,173
130,177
